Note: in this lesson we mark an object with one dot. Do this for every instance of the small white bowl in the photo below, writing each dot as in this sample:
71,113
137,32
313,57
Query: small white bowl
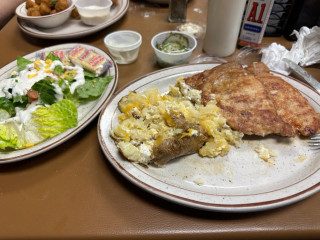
123,45
165,59
94,12
47,21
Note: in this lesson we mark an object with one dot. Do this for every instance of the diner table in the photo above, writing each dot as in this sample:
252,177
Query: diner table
73,192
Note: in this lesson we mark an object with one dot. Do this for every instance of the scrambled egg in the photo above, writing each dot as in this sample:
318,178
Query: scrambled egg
146,120
265,153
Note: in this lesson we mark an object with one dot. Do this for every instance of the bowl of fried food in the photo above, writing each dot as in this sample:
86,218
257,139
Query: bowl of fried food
45,13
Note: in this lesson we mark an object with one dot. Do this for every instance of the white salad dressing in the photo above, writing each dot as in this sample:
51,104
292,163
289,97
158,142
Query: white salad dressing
79,78
58,91
30,75
94,15
34,72
5,86
22,115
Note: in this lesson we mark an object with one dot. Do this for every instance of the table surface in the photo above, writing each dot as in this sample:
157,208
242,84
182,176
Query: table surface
72,192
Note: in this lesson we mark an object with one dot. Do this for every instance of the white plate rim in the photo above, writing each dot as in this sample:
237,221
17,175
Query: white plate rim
49,144
176,198
23,25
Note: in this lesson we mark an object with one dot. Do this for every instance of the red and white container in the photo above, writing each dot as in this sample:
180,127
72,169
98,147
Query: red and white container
254,22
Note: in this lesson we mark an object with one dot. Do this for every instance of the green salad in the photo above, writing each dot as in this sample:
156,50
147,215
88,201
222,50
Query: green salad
41,100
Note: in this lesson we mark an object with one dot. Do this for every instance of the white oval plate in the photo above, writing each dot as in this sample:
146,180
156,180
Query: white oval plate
238,182
86,112
72,28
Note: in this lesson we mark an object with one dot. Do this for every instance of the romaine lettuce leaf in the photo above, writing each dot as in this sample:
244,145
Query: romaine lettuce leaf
8,137
45,122
13,135
55,119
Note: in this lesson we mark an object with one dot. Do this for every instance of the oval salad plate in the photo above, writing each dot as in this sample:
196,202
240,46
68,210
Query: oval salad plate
72,28
86,111
238,182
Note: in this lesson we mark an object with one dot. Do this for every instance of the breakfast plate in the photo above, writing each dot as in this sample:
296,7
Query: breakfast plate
73,28
237,182
86,111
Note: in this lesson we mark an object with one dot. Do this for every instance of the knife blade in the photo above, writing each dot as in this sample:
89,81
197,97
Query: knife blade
304,74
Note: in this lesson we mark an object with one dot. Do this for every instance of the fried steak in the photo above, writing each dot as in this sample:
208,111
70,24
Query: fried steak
256,102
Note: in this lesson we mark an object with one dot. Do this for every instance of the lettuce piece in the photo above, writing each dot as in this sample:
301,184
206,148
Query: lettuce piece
55,119
93,87
46,122
46,91
12,136
72,97
22,63
7,105
9,137
4,115
58,70
53,57
88,74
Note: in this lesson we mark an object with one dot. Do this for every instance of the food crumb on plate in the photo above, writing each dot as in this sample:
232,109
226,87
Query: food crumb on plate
301,158
266,154
199,181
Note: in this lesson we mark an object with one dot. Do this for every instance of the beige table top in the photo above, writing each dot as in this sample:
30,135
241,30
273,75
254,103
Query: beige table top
72,192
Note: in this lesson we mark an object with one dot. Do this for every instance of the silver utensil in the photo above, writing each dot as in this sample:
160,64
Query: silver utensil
304,74
314,141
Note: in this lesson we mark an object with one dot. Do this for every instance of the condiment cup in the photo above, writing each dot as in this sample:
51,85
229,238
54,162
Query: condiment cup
93,12
123,45
166,59
46,21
